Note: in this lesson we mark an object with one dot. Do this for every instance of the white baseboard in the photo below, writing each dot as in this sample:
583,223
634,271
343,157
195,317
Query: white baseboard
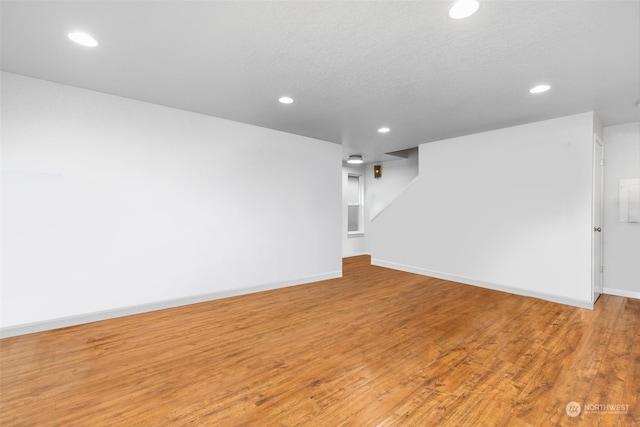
621,293
46,325
473,282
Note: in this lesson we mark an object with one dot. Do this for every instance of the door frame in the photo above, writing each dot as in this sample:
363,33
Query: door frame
597,207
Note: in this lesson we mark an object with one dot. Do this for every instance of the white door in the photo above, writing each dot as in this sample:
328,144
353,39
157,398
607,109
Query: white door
598,176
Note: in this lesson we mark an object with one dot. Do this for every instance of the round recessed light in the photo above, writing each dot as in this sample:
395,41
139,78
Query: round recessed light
384,129
286,100
83,39
355,160
463,9
539,89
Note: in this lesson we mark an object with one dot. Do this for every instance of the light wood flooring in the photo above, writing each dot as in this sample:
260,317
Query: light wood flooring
375,348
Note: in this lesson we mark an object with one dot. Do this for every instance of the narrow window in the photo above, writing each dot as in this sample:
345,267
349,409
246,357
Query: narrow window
355,214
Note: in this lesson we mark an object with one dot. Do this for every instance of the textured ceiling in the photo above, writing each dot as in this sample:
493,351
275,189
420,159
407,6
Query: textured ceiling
352,66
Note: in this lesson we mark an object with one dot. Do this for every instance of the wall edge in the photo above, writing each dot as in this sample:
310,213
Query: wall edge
496,287
64,322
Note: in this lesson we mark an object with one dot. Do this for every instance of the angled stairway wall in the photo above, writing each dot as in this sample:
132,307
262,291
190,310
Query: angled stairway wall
508,209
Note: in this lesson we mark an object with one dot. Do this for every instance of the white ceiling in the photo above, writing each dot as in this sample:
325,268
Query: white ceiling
352,66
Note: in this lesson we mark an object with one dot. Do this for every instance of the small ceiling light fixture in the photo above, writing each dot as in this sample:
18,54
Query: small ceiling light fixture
463,9
286,100
83,39
539,89
355,160
384,130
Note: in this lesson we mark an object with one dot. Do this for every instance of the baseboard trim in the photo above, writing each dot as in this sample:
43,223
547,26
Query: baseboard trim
621,293
467,281
64,322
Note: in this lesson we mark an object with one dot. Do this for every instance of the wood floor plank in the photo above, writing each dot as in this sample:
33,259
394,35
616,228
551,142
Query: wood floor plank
376,347
574,384
631,395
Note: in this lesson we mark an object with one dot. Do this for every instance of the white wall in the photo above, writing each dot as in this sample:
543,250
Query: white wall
397,175
110,203
351,245
621,239
508,209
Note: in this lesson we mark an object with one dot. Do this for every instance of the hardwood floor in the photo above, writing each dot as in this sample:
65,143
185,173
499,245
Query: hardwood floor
375,348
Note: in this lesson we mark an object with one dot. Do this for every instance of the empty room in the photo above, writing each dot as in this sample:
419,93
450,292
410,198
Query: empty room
320,213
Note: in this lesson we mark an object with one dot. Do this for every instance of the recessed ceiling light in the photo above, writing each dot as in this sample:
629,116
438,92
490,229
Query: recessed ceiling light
463,9
286,100
83,39
355,160
539,89
384,130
